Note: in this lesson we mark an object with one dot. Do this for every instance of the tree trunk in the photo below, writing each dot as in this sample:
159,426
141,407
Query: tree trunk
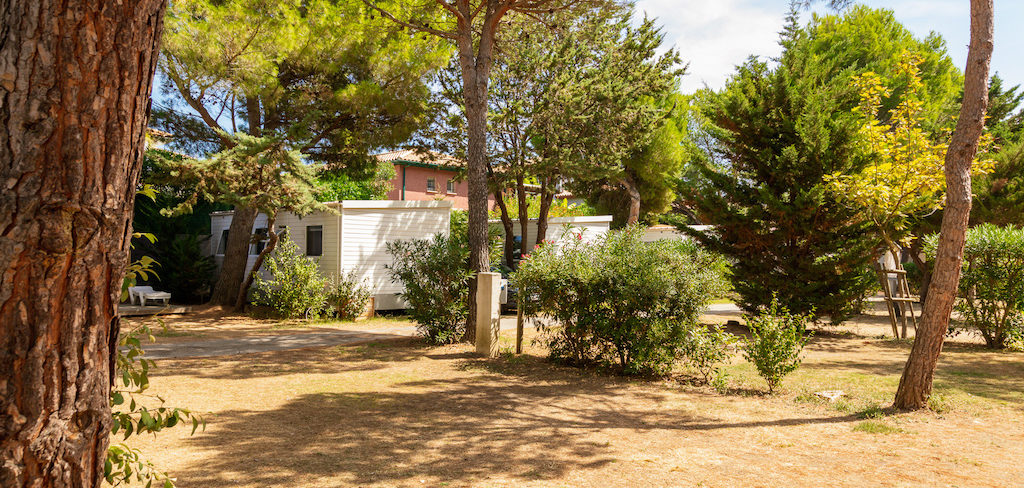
524,213
74,97
475,72
243,292
477,228
916,383
546,197
236,257
509,226
506,220
633,215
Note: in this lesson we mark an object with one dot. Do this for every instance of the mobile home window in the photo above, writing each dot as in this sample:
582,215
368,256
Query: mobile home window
314,240
431,184
451,186
262,235
223,244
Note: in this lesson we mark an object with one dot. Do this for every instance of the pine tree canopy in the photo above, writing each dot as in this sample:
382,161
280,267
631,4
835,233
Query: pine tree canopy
323,75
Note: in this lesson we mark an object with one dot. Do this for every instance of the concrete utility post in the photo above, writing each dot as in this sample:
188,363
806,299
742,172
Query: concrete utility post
488,314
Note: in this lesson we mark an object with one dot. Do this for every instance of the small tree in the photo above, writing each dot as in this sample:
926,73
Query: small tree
776,340
904,178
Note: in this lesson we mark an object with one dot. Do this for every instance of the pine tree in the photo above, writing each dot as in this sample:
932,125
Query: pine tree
782,131
651,169
319,76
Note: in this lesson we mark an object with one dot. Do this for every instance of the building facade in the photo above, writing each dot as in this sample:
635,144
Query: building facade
429,177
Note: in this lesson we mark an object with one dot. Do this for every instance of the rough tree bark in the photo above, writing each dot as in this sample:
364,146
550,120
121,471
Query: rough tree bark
236,257
476,59
916,383
633,216
75,80
546,198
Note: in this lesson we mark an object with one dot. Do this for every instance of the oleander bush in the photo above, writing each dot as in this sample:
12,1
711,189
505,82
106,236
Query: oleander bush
991,293
619,302
347,296
436,278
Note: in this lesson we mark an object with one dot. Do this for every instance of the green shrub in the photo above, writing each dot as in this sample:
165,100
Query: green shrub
296,287
619,301
705,348
776,340
347,296
991,293
436,279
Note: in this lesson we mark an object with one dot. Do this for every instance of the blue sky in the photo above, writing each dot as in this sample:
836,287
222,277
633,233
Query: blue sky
716,35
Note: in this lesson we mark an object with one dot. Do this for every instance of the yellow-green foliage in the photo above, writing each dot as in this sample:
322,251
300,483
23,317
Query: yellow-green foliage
560,207
905,176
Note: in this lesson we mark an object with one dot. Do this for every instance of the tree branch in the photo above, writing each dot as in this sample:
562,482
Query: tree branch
421,28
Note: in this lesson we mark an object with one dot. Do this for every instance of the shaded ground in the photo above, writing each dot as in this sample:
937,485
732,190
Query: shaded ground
211,333
398,413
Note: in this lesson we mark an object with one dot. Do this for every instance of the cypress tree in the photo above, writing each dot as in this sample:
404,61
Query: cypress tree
781,130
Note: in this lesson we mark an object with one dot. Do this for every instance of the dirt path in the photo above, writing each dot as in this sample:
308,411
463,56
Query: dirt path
267,343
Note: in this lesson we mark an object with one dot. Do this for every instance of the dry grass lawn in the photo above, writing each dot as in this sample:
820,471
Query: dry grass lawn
399,413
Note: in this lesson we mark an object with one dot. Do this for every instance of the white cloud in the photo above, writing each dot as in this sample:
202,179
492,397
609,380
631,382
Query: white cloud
714,36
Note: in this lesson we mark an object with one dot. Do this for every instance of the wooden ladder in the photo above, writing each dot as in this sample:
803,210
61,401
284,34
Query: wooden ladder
902,295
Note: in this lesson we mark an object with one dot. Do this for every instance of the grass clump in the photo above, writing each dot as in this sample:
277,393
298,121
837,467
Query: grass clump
877,427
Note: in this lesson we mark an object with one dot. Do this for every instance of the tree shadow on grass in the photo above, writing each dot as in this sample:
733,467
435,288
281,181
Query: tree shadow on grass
462,430
324,360
964,367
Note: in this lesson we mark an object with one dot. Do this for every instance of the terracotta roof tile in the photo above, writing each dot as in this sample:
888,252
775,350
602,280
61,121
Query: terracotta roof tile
421,157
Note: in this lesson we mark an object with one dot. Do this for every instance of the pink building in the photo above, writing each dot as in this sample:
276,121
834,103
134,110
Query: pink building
429,177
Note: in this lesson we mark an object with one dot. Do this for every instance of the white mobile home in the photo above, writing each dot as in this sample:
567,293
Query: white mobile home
669,232
560,228
353,239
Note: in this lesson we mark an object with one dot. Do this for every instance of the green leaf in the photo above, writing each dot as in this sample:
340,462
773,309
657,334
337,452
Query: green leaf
147,420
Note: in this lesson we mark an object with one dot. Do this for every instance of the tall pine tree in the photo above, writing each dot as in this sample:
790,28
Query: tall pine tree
781,131
322,77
